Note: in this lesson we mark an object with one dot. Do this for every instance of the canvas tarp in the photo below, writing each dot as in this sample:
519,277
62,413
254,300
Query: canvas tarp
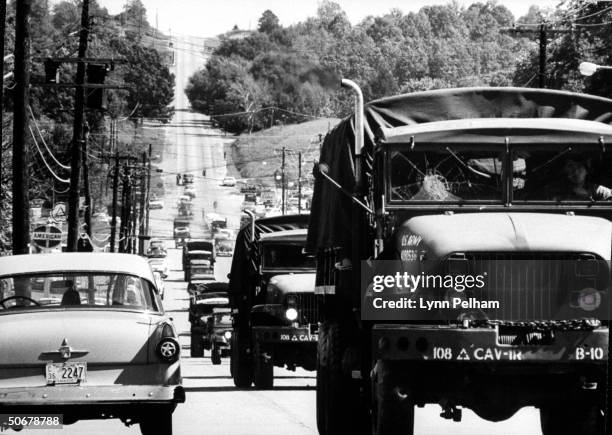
245,262
330,220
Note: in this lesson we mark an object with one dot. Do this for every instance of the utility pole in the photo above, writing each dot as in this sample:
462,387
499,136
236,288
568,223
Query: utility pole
2,31
542,69
86,183
543,31
148,191
141,215
283,182
114,217
300,182
21,203
77,139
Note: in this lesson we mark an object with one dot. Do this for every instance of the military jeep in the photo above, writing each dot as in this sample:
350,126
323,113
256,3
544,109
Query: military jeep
504,185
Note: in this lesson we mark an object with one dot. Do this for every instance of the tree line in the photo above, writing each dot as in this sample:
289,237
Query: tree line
290,74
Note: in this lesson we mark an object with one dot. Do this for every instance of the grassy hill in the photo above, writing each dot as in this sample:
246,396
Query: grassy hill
259,155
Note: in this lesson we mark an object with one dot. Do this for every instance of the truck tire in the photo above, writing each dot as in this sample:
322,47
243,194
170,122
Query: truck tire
197,346
394,412
215,355
263,369
241,366
339,408
570,419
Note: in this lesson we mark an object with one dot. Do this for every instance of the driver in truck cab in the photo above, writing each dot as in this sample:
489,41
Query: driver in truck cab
576,182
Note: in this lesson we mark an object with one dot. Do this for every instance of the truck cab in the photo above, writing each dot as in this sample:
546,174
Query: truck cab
469,265
272,294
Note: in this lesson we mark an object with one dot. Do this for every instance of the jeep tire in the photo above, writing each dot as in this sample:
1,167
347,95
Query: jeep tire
197,345
215,355
263,368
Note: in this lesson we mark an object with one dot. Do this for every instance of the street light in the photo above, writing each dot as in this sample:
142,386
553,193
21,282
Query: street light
589,68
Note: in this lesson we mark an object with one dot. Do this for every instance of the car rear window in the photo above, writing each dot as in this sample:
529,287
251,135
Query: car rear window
77,290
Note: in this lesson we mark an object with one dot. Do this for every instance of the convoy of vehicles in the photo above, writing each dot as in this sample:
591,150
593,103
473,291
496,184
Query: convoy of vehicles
272,296
76,307
455,184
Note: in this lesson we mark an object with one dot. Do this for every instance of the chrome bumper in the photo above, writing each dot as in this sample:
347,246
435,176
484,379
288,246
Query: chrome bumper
91,395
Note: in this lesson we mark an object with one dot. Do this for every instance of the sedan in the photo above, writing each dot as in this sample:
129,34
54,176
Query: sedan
229,181
156,204
190,191
89,339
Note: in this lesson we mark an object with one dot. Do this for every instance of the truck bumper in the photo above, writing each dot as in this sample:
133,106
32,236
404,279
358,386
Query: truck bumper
397,342
285,334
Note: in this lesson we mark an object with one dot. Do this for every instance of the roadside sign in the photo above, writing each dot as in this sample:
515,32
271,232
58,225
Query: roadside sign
58,214
47,236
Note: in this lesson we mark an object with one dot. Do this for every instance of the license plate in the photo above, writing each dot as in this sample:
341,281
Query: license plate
66,373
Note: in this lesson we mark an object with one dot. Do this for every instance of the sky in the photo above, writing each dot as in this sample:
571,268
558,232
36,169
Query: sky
213,17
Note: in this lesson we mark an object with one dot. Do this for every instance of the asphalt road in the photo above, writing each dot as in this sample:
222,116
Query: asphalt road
214,405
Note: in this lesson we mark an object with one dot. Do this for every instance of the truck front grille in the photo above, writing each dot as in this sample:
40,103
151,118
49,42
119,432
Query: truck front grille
309,307
529,286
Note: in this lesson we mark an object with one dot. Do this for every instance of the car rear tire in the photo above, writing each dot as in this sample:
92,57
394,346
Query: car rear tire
583,419
157,422
263,368
215,355
241,366
197,346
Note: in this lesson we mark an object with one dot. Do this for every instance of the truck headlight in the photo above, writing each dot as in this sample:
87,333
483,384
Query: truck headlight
587,299
227,335
291,314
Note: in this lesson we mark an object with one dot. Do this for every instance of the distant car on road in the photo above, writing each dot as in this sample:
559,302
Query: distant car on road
229,181
190,191
159,264
225,247
156,204
97,343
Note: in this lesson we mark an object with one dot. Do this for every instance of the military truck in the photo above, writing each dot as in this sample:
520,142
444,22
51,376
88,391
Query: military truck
198,259
275,321
471,182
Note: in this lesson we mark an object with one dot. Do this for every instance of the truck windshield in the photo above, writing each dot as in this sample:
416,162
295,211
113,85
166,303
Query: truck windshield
285,256
563,175
446,174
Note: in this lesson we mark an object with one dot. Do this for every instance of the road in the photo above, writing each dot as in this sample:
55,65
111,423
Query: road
214,405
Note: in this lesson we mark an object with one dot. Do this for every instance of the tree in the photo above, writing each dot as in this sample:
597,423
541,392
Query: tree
268,22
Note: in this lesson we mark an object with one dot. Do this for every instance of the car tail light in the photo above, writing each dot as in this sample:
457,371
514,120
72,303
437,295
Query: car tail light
168,348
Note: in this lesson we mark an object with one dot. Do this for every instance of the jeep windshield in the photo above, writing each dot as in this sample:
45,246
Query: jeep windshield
76,290
452,173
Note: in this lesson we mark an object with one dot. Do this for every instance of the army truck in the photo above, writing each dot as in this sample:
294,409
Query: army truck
275,313
504,187
198,260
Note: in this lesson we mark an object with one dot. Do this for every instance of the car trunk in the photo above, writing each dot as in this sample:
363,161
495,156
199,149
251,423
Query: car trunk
95,336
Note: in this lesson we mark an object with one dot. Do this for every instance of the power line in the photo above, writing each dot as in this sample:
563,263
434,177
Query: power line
43,140
57,177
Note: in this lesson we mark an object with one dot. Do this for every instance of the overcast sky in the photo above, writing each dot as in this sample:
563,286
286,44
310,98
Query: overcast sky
212,17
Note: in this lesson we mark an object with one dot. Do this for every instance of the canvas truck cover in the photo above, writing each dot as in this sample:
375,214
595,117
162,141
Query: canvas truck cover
245,262
330,214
